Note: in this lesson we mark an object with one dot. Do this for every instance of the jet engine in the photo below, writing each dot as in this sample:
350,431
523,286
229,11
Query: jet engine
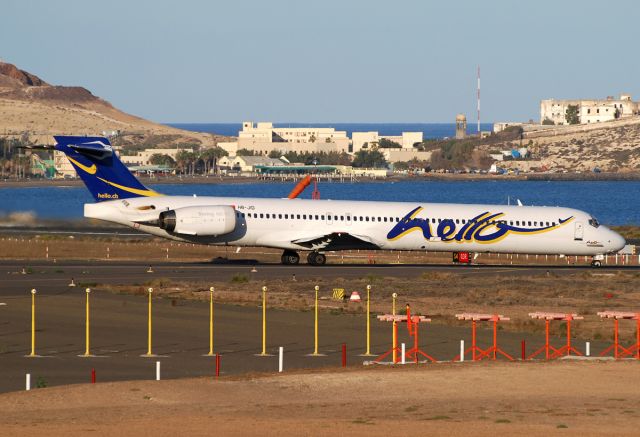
199,220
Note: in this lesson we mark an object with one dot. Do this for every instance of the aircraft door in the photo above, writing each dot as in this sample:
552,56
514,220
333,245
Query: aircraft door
329,218
578,231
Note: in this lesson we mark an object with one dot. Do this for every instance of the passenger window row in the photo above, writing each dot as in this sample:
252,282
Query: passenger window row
322,217
317,217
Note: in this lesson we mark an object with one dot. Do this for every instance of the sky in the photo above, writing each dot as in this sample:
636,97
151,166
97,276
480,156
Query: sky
327,61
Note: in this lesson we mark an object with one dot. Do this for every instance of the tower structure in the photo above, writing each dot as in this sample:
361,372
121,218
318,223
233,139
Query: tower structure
478,100
461,126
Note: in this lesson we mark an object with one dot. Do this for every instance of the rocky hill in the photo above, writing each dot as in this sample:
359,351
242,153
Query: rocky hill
611,147
29,105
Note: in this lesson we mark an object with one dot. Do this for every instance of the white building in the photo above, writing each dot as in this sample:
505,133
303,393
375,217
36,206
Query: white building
589,111
248,163
502,125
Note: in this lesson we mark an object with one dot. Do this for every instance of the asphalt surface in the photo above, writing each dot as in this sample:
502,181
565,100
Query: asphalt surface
180,332
45,274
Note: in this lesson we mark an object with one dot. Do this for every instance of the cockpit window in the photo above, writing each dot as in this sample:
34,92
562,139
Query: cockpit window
594,222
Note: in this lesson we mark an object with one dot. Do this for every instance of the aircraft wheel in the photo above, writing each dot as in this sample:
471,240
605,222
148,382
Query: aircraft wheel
316,259
596,263
289,257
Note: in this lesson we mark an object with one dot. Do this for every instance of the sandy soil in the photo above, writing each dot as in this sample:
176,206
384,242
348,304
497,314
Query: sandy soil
590,398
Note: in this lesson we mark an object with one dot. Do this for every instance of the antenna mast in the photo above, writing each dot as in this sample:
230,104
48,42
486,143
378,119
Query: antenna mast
478,99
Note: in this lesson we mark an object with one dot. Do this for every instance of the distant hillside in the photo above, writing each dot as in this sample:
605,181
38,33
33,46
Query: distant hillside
32,106
612,146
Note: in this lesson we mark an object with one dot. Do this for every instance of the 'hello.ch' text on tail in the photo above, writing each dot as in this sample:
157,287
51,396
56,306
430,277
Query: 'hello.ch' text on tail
106,177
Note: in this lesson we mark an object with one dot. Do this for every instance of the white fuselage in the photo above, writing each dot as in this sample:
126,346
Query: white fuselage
302,224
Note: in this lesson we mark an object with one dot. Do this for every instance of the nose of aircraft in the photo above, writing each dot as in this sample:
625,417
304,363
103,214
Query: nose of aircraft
615,241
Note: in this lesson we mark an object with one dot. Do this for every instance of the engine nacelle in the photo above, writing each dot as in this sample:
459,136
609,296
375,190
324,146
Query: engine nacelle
199,220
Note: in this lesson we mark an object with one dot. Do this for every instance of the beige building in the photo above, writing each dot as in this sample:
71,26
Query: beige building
589,111
143,156
263,138
63,166
397,155
406,140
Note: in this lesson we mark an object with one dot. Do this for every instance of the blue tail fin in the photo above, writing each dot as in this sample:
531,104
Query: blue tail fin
100,169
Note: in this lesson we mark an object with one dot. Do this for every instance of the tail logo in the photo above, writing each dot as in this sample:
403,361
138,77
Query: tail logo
91,170
146,193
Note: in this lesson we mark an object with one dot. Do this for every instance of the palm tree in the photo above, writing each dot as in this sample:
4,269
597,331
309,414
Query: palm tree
210,158
183,160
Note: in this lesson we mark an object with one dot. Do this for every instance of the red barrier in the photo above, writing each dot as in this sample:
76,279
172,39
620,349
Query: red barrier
413,323
551,352
523,346
93,376
217,365
344,355
492,352
620,351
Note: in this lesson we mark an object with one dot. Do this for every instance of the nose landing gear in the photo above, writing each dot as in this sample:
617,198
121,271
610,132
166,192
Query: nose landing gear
597,261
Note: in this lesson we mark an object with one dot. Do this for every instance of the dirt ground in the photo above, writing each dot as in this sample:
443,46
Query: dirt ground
438,294
589,398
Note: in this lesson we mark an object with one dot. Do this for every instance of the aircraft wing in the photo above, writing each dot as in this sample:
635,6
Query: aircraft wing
337,241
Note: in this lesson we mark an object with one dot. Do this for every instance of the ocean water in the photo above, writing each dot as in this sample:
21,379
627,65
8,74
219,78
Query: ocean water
612,202
429,130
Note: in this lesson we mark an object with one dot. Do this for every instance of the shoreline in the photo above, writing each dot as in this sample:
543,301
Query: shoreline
188,180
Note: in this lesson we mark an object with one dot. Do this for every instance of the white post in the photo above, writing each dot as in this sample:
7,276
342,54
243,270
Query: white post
461,351
402,357
588,349
280,359
28,382
157,370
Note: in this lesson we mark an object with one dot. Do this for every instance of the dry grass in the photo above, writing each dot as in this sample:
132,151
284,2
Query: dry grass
435,293
438,295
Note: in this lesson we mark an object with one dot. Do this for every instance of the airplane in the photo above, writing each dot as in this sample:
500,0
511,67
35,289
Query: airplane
320,226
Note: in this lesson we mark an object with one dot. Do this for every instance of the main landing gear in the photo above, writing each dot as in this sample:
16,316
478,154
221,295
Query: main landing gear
290,257
316,259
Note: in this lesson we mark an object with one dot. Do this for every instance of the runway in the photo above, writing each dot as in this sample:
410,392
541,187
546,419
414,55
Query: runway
48,277
180,332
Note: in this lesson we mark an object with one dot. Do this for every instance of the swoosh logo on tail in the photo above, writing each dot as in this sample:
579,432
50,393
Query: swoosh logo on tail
91,170
147,193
